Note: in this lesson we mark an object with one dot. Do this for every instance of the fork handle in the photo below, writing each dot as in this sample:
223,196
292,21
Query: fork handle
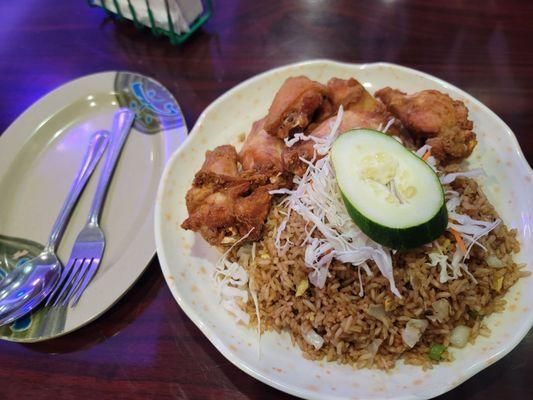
122,121
96,148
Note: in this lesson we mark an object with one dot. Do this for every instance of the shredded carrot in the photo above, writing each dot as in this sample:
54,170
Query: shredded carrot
426,155
459,240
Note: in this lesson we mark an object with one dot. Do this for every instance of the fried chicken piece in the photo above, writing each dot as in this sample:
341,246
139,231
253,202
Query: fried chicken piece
197,195
261,152
351,95
220,165
435,117
221,161
219,168
350,120
233,211
261,158
210,196
452,145
215,216
294,106
223,202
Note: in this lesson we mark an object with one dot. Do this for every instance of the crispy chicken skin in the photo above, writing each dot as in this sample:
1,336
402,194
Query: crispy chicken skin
261,152
350,120
436,117
294,106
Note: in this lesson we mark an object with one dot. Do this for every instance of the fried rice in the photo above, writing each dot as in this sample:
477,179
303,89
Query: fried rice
365,329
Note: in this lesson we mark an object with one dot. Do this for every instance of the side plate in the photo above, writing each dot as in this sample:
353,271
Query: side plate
39,152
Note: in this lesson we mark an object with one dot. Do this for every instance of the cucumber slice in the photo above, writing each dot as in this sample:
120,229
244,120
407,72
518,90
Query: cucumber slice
394,197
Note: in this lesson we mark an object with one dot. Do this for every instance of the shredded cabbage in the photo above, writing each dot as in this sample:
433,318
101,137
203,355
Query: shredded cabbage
423,150
470,229
387,127
441,260
233,308
431,161
317,198
231,279
449,178
453,200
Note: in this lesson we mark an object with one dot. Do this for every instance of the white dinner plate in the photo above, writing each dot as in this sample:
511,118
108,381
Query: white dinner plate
39,157
187,260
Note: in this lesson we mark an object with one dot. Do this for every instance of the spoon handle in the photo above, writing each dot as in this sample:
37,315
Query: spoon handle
122,121
97,146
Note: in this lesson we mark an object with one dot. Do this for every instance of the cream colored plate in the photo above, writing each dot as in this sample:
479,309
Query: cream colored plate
187,260
40,153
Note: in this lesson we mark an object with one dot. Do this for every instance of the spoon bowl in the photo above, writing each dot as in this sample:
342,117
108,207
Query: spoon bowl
32,282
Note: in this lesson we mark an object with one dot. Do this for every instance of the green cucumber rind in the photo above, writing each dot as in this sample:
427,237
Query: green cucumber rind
400,238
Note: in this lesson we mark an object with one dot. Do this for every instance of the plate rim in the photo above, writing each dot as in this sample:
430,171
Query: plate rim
216,341
11,139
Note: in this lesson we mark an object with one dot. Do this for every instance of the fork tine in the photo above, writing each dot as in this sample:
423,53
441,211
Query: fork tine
75,268
86,281
83,270
59,284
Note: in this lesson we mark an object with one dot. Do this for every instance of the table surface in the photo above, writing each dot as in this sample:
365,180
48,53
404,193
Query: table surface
145,346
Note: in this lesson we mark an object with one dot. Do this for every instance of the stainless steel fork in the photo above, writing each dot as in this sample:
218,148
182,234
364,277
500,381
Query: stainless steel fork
89,247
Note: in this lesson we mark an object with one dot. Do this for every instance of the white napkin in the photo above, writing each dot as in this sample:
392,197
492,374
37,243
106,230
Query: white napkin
183,12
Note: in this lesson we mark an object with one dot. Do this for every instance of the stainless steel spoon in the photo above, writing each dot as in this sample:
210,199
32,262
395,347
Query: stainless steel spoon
26,287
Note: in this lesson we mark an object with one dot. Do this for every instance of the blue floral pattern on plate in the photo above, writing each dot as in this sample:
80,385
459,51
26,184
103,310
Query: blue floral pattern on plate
154,106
